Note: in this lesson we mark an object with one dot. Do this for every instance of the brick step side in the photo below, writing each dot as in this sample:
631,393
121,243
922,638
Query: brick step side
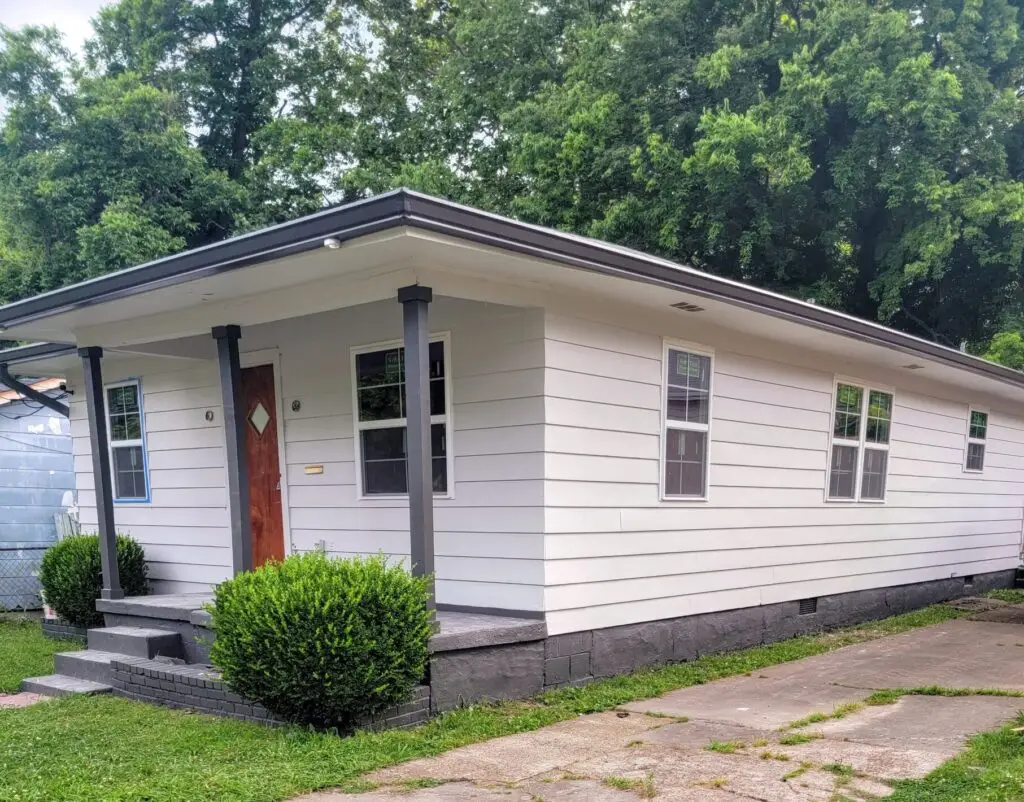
87,664
195,687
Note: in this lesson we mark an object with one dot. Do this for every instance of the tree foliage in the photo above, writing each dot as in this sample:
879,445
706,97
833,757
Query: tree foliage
866,154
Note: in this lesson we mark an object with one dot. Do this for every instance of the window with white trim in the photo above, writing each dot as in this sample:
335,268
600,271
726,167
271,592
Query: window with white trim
126,429
977,431
859,455
379,380
687,423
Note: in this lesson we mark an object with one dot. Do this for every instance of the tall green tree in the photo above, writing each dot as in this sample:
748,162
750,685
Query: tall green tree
236,64
96,173
868,154
860,154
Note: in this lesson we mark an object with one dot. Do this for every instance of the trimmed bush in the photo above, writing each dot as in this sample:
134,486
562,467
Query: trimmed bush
72,578
322,641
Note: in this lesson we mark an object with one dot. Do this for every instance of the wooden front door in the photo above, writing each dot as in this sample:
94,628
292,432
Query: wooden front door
264,464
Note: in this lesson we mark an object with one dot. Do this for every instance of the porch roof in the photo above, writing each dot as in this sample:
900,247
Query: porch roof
407,209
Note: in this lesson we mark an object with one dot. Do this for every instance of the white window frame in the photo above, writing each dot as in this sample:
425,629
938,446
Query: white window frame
394,423
139,442
860,443
666,424
977,441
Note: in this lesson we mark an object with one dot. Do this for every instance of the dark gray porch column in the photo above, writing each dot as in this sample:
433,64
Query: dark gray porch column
97,410
414,302
227,338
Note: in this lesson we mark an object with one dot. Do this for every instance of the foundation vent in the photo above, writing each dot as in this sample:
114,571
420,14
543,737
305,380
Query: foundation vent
686,306
808,606
968,581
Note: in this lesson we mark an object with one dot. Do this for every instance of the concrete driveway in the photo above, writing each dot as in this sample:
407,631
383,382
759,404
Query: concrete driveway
660,748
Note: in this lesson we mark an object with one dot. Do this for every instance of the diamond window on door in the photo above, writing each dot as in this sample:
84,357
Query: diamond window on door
259,418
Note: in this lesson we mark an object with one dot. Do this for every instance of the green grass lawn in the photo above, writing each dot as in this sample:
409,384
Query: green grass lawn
25,652
991,769
92,749
1011,595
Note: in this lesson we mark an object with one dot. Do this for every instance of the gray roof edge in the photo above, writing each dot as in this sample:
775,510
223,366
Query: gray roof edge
33,351
595,255
405,207
344,222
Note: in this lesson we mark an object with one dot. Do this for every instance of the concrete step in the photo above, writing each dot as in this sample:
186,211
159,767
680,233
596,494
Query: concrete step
88,664
60,685
136,642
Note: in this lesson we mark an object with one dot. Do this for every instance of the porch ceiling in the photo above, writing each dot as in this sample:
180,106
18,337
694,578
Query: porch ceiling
147,316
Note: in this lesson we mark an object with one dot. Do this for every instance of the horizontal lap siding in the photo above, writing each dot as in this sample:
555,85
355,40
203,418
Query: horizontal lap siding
184,528
616,553
489,536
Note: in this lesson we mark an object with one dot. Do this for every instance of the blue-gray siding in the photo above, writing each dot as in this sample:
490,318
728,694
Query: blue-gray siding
36,470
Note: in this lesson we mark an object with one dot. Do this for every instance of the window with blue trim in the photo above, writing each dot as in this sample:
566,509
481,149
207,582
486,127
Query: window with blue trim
127,446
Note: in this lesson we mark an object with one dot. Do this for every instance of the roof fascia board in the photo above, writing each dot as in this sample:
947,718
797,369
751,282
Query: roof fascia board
403,207
344,223
486,229
29,353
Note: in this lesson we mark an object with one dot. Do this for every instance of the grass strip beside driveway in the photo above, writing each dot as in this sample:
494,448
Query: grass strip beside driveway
92,749
991,769
26,652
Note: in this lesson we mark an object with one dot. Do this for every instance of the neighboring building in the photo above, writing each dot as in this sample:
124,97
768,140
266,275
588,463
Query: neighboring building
36,483
616,439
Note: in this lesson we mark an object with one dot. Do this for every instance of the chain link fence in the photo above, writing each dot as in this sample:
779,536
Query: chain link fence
19,577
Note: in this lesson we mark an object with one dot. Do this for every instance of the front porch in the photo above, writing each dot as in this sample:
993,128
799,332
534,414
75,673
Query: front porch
324,469
156,649
180,612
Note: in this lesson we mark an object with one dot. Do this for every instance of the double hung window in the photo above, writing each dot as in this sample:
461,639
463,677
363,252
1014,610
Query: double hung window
977,431
380,404
687,423
859,456
126,428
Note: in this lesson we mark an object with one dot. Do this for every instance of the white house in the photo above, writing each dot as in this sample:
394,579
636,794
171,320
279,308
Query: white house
614,439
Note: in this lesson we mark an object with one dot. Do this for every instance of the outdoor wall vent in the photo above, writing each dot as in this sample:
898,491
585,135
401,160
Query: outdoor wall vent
686,306
969,581
913,366
808,606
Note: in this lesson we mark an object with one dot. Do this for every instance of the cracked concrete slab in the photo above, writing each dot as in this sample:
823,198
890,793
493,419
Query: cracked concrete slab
1008,614
753,701
519,757
954,654
675,773
697,734
449,792
857,755
876,761
940,725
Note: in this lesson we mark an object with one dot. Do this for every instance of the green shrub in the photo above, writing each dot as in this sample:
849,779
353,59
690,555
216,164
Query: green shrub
322,641
72,578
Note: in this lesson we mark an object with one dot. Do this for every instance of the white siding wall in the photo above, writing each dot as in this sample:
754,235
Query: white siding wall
617,554
557,436
184,528
488,537
489,541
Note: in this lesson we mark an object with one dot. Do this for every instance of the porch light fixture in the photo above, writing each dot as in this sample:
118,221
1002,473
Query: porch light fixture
332,243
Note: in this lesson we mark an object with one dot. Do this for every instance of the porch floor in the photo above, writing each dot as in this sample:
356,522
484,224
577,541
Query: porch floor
457,630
